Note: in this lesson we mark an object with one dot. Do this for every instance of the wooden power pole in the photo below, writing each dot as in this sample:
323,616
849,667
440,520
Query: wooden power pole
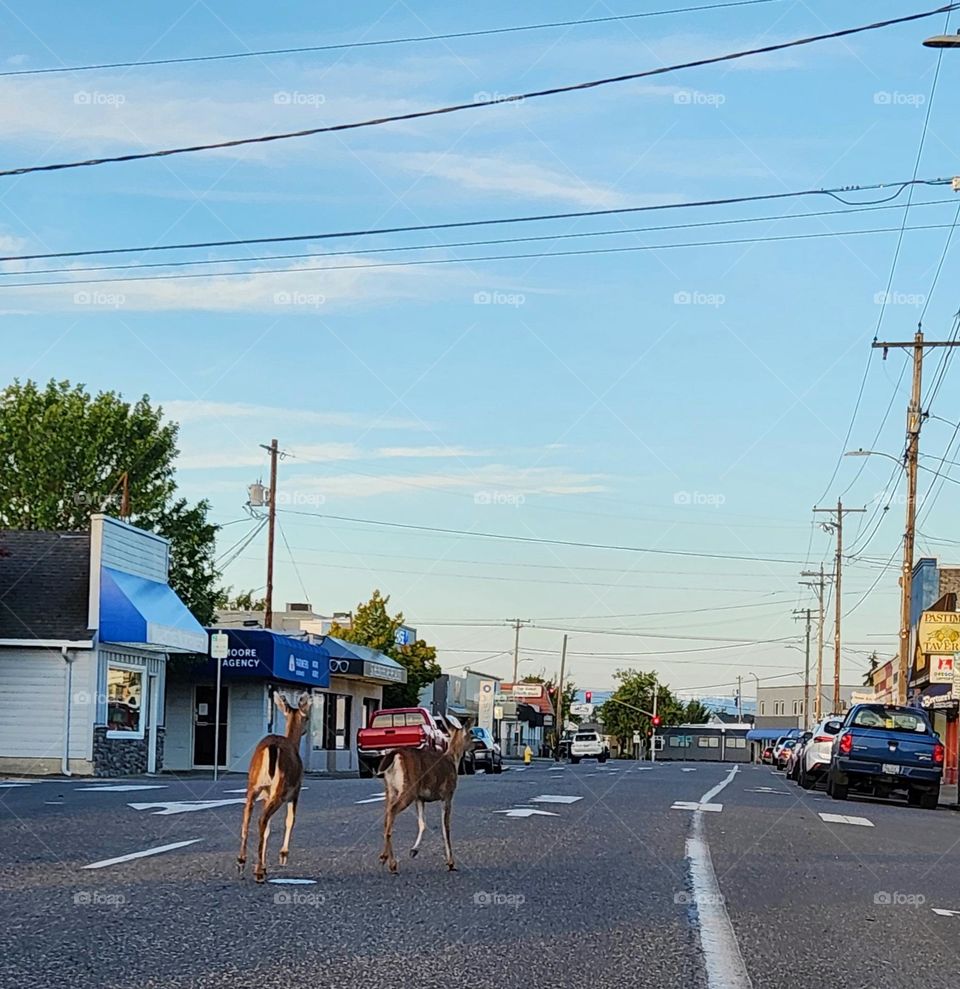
819,587
914,421
837,526
558,714
804,613
274,451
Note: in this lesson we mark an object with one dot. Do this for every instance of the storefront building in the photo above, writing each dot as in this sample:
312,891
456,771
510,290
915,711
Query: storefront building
345,682
88,624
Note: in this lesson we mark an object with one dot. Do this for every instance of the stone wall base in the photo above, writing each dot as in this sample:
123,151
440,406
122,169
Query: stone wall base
123,756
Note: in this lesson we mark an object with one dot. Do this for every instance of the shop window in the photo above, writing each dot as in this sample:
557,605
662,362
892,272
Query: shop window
763,708
336,721
736,743
125,702
703,742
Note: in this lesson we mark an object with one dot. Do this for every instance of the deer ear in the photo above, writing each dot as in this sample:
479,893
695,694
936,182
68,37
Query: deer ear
454,722
281,702
304,704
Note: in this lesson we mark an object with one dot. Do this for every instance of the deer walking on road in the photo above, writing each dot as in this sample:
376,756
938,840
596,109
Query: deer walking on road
275,777
421,776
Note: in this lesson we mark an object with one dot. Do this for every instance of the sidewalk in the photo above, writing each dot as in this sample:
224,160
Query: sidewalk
948,796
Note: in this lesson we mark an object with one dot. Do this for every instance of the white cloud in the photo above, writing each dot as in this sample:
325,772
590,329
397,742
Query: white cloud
200,410
430,451
502,174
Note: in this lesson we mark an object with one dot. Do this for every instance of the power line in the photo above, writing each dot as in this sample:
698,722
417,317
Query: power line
586,252
477,104
779,218
379,43
833,193
535,539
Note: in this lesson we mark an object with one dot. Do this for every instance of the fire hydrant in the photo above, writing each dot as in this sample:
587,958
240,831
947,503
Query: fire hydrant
527,756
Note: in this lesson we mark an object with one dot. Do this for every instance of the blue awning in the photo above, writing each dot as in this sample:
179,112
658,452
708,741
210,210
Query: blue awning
258,653
352,658
147,614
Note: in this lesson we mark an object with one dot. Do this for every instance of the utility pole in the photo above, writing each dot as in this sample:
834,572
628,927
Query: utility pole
558,714
805,613
653,736
740,699
837,527
915,418
517,623
819,587
274,452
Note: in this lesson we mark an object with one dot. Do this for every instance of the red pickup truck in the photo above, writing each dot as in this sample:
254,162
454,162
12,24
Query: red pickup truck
397,728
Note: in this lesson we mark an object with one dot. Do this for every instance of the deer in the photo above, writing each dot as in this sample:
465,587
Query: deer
421,776
275,777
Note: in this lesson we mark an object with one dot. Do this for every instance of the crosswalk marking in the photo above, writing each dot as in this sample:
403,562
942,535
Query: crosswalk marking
553,798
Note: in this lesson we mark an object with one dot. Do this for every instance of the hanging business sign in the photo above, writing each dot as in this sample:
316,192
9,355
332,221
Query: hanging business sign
939,632
942,668
528,690
485,705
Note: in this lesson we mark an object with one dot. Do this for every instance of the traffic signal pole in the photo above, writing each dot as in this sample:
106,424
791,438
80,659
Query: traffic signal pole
653,733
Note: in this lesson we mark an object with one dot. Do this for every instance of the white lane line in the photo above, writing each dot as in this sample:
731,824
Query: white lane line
120,788
553,798
940,912
721,952
140,855
12,786
688,770
694,805
765,789
846,819
526,812
372,800
293,882
168,807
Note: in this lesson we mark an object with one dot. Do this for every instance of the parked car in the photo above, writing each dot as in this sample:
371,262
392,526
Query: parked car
397,728
882,748
795,756
486,751
777,746
782,752
766,757
588,745
814,762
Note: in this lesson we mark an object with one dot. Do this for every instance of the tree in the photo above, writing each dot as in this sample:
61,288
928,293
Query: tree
64,454
695,713
374,627
244,601
623,714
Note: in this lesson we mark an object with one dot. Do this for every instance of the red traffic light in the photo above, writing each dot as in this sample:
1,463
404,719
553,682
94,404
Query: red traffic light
588,696
655,721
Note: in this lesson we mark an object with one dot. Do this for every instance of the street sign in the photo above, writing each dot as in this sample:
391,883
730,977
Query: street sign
219,645
636,738
581,710
527,690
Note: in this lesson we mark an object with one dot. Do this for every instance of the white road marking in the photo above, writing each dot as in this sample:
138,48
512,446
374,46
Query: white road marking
765,789
120,788
372,800
845,819
552,798
721,953
12,786
696,805
140,855
526,812
688,770
53,803
184,806
293,882
940,912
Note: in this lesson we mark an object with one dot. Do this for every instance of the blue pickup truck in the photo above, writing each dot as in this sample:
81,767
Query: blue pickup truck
884,747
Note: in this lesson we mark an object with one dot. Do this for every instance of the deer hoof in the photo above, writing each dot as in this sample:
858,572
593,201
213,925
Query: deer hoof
383,857
394,870
240,864
413,852
261,877
283,858
451,867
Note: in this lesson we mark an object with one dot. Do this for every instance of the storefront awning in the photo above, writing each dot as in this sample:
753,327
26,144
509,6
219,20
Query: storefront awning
350,659
257,653
146,614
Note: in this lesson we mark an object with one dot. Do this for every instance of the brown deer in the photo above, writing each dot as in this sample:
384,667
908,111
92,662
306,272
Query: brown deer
421,776
275,777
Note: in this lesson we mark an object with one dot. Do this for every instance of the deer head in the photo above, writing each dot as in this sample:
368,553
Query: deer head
296,717
460,738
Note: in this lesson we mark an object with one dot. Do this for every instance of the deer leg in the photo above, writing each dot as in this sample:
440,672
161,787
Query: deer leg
447,807
245,830
291,818
387,854
269,809
421,825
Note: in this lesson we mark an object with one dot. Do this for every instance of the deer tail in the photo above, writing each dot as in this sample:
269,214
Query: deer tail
386,762
273,752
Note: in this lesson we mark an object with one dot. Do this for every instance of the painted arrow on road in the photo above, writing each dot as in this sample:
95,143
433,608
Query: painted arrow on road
184,806
526,812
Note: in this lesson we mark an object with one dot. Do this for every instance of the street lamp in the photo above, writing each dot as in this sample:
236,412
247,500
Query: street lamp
943,41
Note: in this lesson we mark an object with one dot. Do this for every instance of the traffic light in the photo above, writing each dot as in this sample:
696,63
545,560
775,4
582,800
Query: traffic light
655,721
588,696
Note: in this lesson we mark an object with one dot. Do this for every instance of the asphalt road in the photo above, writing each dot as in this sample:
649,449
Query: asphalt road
613,888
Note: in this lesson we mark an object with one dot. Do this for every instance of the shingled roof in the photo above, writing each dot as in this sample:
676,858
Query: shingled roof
44,585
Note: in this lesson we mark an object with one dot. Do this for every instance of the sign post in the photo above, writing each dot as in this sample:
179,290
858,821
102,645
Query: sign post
219,650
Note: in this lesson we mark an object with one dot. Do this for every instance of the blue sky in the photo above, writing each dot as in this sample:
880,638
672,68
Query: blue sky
689,399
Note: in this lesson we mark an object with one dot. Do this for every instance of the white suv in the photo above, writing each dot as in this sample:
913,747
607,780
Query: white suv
588,745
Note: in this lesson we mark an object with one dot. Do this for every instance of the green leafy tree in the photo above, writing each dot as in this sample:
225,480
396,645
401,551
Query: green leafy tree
623,714
695,713
373,626
64,454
